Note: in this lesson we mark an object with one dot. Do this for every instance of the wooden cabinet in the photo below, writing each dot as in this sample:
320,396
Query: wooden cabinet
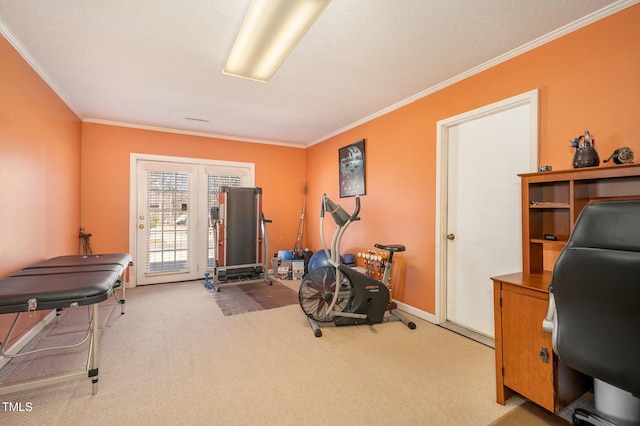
551,203
525,363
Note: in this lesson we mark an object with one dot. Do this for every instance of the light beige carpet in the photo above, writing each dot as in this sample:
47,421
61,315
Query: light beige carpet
175,359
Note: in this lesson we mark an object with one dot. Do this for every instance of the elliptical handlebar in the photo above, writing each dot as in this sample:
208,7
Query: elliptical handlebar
342,220
324,197
354,216
340,216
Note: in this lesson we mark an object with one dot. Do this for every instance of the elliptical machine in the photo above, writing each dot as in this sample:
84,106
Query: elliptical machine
358,299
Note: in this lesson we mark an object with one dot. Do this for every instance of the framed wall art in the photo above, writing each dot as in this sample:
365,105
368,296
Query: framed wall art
351,162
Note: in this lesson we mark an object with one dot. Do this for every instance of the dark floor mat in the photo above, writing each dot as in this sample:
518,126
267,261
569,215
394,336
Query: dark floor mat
252,297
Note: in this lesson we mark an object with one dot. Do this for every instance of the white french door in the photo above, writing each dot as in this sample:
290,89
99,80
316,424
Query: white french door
171,200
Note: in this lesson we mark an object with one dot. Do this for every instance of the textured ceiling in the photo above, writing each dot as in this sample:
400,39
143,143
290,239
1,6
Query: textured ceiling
158,63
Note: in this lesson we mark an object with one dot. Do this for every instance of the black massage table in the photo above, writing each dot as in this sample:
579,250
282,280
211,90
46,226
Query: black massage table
59,283
117,262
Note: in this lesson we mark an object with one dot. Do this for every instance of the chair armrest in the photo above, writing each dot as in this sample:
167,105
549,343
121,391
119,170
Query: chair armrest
548,323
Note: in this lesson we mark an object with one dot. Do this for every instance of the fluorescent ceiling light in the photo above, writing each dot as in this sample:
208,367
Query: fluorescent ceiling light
270,31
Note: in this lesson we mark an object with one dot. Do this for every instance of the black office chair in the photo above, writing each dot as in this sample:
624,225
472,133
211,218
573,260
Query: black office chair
594,309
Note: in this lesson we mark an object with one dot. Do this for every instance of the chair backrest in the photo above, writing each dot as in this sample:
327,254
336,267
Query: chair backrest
596,286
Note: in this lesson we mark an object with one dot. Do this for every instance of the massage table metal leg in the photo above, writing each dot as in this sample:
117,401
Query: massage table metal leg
120,300
42,382
123,285
93,371
90,371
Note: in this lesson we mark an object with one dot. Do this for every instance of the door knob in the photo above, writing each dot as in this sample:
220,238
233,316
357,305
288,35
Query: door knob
141,226
451,237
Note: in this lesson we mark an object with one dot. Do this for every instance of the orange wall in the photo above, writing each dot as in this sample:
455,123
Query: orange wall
39,171
106,153
587,80
70,173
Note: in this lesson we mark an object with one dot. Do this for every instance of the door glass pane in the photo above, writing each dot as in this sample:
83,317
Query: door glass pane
169,216
214,182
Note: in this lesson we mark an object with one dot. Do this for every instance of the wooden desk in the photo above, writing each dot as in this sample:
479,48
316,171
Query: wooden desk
525,362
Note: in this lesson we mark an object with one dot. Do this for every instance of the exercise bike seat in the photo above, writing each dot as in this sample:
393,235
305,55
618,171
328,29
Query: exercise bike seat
392,248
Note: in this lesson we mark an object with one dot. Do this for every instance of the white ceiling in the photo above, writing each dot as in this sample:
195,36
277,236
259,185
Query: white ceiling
158,63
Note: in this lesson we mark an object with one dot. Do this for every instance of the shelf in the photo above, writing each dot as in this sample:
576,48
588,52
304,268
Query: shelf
552,202
543,241
548,205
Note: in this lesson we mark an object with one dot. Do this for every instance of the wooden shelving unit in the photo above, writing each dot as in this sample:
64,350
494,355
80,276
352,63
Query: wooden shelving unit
551,204
552,201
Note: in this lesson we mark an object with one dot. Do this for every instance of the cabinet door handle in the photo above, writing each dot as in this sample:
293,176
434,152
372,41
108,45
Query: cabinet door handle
544,354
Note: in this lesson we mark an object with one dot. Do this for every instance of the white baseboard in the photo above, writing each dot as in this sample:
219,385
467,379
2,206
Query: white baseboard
417,312
26,338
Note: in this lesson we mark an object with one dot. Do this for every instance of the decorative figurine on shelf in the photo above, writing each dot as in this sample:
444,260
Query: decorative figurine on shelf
622,155
586,154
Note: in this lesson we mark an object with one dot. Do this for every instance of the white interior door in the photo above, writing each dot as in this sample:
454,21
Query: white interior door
171,201
482,223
